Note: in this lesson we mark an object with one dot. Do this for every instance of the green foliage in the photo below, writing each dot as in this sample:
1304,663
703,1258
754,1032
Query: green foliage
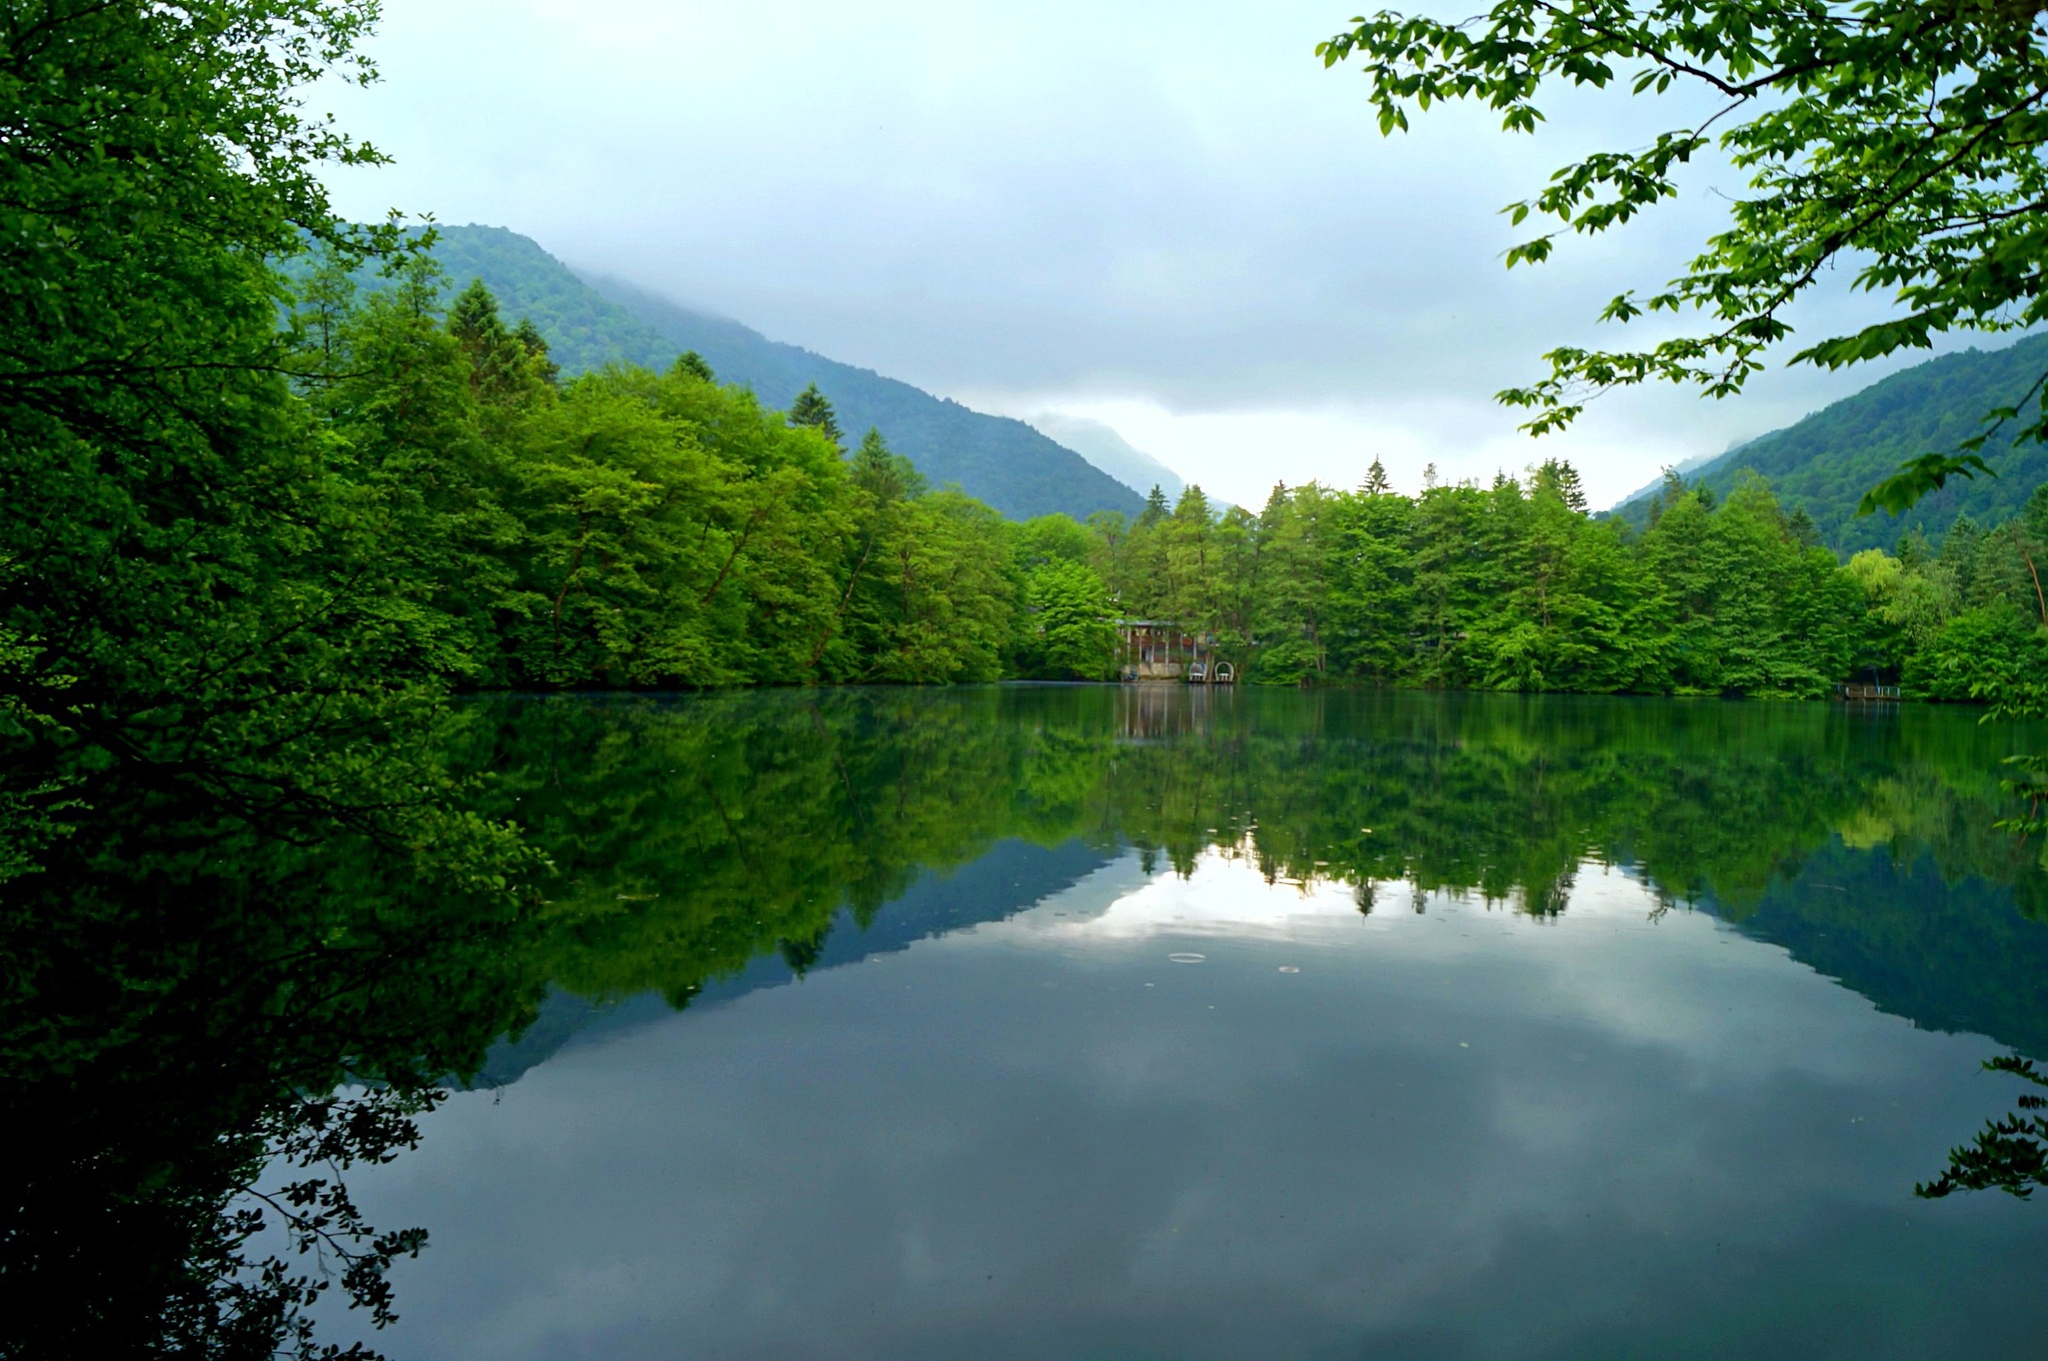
1513,587
1897,138
223,809
1828,463
635,530
883,475
1070,632
1917,479
810,409
1979,655
592,323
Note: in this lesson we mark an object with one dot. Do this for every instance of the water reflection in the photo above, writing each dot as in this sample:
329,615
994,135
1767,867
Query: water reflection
1523,853
1468,1132
696,836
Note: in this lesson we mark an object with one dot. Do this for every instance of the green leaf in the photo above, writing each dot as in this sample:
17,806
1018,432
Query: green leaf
1917,478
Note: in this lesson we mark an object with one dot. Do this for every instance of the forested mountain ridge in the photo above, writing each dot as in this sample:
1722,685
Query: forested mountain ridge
1825,463
589,323
584,329
1000,461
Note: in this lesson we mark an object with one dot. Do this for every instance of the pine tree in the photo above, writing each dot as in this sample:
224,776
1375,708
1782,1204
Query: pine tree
1562,480
885,475
537,357
499,364
474,319
811,409
1376,480
1156,508
1668,492
1799,526
693,364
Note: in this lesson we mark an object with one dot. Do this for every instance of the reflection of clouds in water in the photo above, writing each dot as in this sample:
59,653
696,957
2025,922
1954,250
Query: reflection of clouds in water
1680,980
1003,1143
1225,896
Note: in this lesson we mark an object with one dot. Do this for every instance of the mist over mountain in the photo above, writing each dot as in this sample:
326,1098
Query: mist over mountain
594,321
995,459
1102,446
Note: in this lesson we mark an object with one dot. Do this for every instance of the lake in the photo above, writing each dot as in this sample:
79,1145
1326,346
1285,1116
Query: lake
1150,1022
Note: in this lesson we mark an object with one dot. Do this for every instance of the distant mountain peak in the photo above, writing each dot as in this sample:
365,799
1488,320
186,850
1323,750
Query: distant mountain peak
1102,446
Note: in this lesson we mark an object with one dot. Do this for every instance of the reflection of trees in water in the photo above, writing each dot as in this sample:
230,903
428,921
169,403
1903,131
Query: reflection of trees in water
187,997
2009,1154
188,1004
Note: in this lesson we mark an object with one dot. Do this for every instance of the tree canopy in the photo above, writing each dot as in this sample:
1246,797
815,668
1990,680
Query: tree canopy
1897,139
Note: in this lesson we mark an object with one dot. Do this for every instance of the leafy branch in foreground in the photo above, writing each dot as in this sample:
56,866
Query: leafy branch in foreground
1897,138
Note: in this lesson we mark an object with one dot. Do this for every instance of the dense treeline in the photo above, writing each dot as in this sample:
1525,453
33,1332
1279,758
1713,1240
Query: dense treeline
635,529
642,530
1515,587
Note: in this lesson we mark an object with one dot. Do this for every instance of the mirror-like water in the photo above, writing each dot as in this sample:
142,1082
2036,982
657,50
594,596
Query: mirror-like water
1095,1022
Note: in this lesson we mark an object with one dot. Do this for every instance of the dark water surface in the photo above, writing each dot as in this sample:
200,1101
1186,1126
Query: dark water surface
1087,1022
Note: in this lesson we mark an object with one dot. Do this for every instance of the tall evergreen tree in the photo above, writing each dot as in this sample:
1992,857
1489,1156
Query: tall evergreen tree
539,360
810,410
501,362
884,474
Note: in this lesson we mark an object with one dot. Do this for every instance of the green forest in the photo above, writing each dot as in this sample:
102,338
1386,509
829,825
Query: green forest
633,529
591,322
264,886
1825,463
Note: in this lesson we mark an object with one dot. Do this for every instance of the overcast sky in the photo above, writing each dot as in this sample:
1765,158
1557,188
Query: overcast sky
1167,217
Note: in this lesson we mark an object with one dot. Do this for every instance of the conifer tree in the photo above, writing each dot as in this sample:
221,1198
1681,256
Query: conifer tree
811,409
1156,508
1562,479
538,360
883,474
500,363
1376,481
473,319
693,364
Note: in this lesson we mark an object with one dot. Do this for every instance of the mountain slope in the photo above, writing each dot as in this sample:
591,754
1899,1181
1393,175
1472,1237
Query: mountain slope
599,322
591,323
1111,452
1826,462
584,329
1003,462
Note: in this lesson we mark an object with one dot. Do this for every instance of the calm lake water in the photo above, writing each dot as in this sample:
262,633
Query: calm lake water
1094,1022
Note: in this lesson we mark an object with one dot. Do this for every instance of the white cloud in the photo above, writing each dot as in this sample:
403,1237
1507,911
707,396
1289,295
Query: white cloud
1169,212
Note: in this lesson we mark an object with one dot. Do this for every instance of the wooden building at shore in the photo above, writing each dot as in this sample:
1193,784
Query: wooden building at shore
1163,650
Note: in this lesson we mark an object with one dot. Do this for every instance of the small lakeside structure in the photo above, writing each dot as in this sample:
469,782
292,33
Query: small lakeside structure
1162,650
